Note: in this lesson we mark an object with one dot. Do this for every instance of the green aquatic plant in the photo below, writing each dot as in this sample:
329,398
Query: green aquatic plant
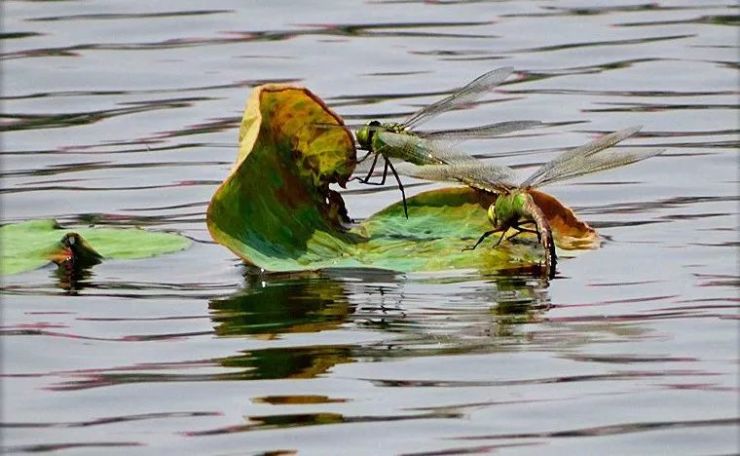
276,211
32,244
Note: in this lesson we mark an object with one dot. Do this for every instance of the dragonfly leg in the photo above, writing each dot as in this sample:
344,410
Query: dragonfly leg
480,239
553,256
520,230
385,172
359,179
526,222
382,179
483,238
400,185
388,165
365,157
370,173
500,238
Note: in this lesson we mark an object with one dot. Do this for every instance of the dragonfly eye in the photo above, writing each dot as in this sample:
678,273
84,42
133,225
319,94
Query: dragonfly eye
373,127
492,215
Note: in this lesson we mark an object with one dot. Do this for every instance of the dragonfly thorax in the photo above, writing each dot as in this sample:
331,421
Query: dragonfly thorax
366,135
508,209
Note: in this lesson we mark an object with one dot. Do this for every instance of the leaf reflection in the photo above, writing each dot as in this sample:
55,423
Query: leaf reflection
72,279
392,316
401,321
271,309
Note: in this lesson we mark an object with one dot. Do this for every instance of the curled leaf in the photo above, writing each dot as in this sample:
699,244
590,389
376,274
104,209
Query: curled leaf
569,232
275,209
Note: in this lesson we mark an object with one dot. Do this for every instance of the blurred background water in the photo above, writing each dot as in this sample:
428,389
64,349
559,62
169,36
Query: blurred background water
126,113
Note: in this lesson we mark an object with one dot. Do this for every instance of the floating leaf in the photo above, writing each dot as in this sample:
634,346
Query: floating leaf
30,245
568,231
275,209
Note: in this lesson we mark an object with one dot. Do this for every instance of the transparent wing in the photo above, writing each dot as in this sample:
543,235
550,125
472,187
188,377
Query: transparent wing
573,159
463,96
419,151
483,131
600,162
483,176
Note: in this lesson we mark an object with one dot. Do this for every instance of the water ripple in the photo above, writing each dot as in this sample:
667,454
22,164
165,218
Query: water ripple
129,115
616,429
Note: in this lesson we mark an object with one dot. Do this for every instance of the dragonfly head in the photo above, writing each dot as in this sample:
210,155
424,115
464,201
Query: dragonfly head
365,134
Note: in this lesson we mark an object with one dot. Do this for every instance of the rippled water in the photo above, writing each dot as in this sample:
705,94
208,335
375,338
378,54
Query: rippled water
125,113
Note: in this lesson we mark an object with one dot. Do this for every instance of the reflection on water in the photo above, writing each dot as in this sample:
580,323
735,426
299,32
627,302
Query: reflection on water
303,305
73,279
259,423
270,309
126,114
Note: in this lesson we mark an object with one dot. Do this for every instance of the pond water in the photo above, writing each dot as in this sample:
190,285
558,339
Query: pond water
126,114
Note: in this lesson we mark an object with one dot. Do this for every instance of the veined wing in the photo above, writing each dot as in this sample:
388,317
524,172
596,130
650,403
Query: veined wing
419,151
483,176
463,96
576,158
597,162
483,131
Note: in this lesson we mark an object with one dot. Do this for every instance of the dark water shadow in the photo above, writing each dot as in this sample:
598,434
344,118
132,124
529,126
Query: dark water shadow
258,423
383,302
271,307
395,316
72,279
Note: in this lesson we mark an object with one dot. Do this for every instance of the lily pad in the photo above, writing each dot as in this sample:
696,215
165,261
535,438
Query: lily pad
275,209
33,244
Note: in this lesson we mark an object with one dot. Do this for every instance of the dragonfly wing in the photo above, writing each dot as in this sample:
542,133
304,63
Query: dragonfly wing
463,96
483,176
327,126
418,150
481,132
574,158
599,162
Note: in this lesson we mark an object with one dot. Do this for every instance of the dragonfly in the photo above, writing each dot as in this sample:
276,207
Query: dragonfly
514,207
378,138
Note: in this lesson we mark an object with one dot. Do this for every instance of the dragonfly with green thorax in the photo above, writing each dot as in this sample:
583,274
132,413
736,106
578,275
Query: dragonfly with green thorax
514,206
382,139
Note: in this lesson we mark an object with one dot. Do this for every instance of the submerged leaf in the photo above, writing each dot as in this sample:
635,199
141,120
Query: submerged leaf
30,245
275,209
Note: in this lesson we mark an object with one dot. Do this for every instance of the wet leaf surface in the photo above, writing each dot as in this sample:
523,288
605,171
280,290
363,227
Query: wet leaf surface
31,245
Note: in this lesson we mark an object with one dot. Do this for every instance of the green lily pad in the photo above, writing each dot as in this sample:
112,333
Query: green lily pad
275,209
33,244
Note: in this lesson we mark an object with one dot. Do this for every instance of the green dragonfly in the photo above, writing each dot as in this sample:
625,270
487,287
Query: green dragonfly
377,138
514,206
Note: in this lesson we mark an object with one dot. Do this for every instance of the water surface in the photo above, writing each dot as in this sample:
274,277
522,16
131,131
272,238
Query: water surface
127,113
